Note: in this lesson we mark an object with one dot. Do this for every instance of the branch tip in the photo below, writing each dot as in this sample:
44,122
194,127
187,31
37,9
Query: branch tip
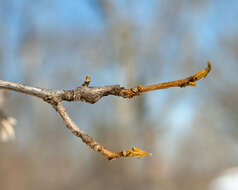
189,81
87,81
136,152
203,73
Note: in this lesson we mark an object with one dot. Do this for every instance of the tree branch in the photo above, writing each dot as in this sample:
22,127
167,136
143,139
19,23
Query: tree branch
92,95
91,142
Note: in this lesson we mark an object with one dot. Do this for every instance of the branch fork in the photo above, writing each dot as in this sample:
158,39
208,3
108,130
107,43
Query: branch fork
92,95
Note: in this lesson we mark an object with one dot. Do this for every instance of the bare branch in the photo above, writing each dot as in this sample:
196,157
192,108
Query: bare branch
33,91
92,95
91,142
189,81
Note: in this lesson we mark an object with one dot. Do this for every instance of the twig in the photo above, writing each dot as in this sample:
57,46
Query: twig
91,142
92,95
189,81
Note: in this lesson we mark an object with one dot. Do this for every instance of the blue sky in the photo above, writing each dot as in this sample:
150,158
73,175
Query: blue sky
218,20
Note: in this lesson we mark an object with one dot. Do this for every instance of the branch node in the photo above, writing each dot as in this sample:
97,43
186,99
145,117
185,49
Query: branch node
51,100
140,88
130,93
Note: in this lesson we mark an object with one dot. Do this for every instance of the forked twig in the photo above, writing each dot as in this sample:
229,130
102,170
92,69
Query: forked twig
92,95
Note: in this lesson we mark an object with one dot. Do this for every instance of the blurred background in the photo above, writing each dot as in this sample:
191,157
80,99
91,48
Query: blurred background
191,132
